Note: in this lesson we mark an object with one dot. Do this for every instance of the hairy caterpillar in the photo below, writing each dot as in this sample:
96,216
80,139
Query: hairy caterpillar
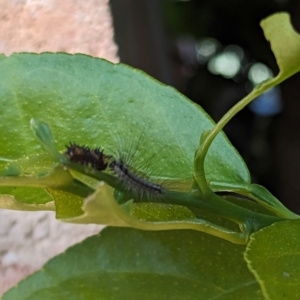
135,183
83,155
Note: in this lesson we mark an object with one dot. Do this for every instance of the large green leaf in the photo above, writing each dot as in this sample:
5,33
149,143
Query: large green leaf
97,103
131,264
273,255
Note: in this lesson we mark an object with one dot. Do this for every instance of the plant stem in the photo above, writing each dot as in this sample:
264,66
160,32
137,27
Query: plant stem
57,179
210,135
250,220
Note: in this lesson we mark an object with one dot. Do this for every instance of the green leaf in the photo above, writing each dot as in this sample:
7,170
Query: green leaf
282,36
101,208
131,264
97,103
273,257
259,194
9,202
28,195
156,212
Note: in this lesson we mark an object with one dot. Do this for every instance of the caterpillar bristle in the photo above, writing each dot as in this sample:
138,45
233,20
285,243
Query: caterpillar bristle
138,185
85,156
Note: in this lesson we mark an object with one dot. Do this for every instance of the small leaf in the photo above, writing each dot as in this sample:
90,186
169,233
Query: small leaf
273,256
285,43
121,264
44,135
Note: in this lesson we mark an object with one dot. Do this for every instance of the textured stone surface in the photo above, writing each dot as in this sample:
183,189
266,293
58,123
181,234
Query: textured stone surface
29,239
51,25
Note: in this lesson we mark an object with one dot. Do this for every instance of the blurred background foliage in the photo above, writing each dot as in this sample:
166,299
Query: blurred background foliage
214,52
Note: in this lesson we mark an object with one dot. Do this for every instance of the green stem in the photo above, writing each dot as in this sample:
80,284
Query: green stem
209,137
57,179
248,220
229,235
231,113
109,179
259,194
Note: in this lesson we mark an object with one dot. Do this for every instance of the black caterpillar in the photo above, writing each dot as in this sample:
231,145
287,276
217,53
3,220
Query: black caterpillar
138,185
83,155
